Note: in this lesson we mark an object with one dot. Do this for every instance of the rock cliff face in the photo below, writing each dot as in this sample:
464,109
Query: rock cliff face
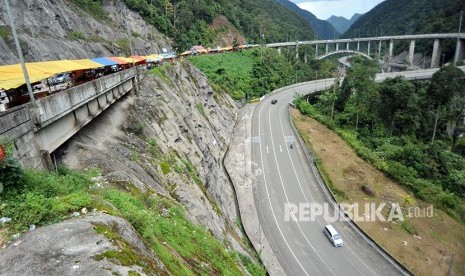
58,29
74,247
171,138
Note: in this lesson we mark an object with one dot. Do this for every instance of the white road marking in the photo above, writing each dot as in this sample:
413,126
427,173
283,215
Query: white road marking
313,199
267,150
271,205
287,199
280,149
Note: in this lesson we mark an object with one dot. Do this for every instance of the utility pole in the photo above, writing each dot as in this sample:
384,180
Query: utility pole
457,50
20,52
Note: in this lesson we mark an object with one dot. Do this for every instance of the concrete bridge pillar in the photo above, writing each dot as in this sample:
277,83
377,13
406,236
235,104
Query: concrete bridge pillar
459,51
337,47
379,50
297,51
327,48
316,51
279,51
305,57
358,46
347,46
389,56
411,52
369,48
435,59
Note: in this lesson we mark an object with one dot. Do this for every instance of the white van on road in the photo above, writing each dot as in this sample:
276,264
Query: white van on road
333,235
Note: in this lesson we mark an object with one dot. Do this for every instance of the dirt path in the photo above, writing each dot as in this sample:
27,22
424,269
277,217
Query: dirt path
424,242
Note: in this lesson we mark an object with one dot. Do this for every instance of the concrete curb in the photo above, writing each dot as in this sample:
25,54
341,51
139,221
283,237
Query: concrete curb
240,172
328,193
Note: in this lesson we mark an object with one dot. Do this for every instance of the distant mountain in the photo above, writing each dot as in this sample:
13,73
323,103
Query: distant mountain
398,17
322,28
341,24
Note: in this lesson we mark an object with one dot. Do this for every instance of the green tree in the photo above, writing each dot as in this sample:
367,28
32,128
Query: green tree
445,83
399,105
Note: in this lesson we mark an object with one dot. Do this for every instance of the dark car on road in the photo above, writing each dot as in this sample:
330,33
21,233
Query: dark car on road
274,101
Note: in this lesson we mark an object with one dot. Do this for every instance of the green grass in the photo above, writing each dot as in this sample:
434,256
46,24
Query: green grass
165,167
77,35
162,223
4,32
93,7
230,72
184,248
43,198
200,108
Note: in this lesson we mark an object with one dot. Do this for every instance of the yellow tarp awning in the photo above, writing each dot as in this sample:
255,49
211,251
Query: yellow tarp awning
128,60
11,76
86,64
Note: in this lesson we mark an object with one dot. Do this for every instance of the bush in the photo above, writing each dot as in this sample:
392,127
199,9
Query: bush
165,167
77,35
368,190
11,173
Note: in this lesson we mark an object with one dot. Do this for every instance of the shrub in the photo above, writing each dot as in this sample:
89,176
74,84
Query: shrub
200,108
11,173
165,167
368,190
77,35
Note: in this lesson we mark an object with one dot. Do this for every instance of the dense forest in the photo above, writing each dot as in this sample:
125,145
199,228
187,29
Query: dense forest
398,17
188,22
251,74
411,131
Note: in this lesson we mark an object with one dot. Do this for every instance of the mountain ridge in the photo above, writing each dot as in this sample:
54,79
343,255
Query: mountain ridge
342,24
322,28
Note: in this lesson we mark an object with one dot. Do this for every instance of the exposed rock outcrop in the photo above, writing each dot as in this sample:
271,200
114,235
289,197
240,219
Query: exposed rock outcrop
58,29
77,247
178,121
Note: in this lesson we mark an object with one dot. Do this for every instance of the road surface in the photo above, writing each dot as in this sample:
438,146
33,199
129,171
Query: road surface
283,175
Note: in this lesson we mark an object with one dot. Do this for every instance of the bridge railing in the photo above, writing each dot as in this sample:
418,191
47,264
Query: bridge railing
53,107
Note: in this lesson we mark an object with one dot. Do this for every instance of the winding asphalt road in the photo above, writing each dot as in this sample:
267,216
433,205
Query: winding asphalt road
284,175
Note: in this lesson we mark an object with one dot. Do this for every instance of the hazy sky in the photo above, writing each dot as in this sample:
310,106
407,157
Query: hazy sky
325,8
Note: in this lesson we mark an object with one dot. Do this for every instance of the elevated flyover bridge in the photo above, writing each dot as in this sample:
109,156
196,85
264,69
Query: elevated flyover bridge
373,46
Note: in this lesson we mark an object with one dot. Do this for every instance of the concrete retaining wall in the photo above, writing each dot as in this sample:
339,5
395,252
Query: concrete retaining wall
16,126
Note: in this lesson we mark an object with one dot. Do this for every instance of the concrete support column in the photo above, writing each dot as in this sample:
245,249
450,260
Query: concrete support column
337,47
389,56
379,50
435,59
327,48
316,51
279,51
305,57
347,46
358,46
369,48
411,52
459,51
297,51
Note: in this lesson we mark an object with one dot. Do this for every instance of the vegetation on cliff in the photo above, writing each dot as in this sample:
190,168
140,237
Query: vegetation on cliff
187,22
411,131
253,73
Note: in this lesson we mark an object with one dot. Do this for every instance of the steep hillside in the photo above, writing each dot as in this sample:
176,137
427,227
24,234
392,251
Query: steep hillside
188,22
397,17
322,28
59,29
341,24
159,160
